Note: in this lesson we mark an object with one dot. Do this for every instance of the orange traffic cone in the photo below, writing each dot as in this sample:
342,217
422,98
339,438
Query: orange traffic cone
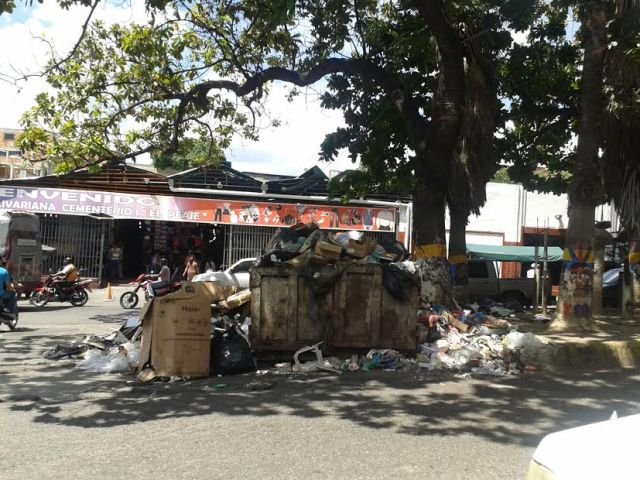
108,296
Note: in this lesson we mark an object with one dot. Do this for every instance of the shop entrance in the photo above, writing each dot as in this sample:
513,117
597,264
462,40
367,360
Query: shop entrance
129,234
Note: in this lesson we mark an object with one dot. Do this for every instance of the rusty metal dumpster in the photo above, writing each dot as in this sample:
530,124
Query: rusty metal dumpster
357,312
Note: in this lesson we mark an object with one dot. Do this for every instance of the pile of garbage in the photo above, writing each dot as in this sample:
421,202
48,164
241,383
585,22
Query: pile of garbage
375,359
305,243
474,341
114,352
320,256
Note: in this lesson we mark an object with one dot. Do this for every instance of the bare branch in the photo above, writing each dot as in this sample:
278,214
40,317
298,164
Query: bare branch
58,64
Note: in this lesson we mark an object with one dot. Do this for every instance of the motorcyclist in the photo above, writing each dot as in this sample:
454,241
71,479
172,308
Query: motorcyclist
65,277
8,296
160,279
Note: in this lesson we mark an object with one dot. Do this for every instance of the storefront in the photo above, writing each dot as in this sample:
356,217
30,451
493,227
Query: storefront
220,215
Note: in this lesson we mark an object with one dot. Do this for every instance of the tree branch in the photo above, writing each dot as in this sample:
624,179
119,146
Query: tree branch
58,64
416,125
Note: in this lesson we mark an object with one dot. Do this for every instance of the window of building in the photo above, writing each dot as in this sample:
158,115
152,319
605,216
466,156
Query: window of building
9,137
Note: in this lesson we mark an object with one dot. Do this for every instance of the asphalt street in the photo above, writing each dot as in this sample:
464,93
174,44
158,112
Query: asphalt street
61,422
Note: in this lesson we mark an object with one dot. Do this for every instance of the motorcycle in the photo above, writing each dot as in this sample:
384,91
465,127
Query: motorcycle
129,299
7,318
75,293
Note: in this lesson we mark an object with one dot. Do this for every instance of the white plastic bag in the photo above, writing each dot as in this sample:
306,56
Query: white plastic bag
121,358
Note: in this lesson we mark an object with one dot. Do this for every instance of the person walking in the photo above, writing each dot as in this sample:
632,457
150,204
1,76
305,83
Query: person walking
191,269
115,262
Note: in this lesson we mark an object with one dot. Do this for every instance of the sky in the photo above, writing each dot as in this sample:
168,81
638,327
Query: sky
288,149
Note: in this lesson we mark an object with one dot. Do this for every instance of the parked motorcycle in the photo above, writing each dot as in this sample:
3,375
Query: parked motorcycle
7,318
75,293
129,299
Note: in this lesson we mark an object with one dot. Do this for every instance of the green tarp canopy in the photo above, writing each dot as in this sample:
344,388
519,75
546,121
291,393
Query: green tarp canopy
503,253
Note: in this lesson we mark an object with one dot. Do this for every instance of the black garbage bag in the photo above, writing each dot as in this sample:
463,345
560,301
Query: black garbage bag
230,353
394,247
399,282
321,278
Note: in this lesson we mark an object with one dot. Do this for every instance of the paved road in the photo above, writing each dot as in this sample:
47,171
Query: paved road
59,422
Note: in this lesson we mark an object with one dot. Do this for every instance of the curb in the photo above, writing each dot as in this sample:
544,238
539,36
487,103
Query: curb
592,355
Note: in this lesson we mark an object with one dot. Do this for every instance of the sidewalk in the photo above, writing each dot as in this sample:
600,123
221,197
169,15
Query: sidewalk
615,344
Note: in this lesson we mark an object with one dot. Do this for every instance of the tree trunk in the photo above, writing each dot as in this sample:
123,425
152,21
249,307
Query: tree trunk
433,157
430,250
634,268
598,271
576,286
626,291
601,239
458,253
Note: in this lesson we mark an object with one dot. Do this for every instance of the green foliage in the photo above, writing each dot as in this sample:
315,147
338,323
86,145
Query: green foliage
7,6
191,153
501,176
119,95
541,87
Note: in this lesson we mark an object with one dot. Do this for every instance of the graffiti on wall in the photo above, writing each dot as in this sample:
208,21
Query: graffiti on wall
577,281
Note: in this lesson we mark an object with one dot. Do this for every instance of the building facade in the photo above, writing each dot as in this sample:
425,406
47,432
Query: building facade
12,163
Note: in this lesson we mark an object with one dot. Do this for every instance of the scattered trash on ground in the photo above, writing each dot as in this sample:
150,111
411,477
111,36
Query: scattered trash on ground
473,341
120,358
259,386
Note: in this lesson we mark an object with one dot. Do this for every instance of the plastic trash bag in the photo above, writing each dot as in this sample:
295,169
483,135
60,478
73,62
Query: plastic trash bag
533,351
321,278
122,358
461,359
400,281
394,247
230,353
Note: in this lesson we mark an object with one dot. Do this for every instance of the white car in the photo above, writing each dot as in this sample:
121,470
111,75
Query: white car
597,451
236,275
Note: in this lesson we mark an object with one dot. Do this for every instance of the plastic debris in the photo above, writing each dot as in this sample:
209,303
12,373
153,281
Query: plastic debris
320,363
485,345
121,358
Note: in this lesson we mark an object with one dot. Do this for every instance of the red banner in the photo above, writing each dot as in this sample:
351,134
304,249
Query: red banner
200,210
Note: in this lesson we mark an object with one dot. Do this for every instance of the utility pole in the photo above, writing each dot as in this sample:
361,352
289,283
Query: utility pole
545,269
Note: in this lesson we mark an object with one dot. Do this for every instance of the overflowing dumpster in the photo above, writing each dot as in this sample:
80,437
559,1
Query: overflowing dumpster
355,310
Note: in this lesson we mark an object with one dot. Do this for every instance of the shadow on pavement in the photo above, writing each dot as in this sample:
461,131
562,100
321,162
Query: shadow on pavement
516,410
118,318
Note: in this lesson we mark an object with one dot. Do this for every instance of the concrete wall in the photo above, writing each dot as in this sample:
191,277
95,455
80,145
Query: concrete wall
510,207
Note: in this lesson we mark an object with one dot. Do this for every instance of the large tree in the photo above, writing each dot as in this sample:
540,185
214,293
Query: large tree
202,69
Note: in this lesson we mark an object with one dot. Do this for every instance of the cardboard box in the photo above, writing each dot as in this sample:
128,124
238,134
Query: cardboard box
328,250
357,249
300,260
176,332
463,327
239,298
218,292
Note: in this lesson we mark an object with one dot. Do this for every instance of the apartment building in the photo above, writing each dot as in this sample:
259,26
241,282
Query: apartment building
12,163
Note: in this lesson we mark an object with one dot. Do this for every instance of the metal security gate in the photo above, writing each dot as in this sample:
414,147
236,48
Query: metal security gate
75,237
242,241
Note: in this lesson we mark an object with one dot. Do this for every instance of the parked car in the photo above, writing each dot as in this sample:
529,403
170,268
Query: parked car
484,282
611,287
598,450
236,275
